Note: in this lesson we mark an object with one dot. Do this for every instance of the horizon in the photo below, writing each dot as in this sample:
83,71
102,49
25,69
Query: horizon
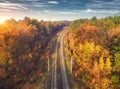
57,10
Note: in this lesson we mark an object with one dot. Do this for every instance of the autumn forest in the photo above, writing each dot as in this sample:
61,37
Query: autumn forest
93,45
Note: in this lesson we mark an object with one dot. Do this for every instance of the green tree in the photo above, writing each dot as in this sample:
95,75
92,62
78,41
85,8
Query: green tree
117,62
94,18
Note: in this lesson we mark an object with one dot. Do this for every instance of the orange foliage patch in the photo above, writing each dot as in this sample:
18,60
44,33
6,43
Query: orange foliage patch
114,32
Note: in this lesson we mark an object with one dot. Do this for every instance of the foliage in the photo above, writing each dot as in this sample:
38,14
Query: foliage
21,49
115,79
95,47
76,24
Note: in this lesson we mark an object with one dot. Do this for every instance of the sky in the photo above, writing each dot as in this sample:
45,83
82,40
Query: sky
58,9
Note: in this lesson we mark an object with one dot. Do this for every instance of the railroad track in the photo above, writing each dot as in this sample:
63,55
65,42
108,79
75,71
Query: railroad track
59,78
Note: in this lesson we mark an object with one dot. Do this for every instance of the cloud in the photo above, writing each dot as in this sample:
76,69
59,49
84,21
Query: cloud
46,11
40,4
67,13
105,11
104,4
53,2
88,10
59,12
4,10
79,12
11,7
6,1
27,0
97,11
59,9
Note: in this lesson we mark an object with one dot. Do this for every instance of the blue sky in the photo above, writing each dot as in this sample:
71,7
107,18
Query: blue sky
58,9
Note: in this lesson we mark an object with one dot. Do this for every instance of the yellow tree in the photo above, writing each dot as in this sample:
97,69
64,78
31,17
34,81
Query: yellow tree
101,63
108,65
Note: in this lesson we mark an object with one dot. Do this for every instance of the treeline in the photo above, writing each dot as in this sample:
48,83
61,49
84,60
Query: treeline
21,49
94,46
